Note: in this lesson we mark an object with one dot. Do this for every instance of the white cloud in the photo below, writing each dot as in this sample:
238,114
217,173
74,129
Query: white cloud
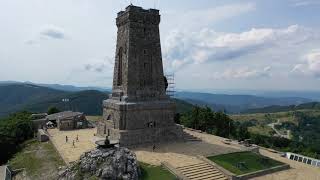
53,32
310,65
182,48
243,73
104,65
48,32
301,3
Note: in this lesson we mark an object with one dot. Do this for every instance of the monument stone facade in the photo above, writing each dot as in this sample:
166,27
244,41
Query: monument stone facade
138,111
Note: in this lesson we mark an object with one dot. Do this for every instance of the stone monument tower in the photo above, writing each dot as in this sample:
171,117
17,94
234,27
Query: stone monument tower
138,111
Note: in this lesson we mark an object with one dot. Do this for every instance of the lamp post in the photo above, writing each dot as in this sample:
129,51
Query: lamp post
65,100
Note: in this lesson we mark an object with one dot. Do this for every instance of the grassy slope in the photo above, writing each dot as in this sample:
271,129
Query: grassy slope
267,118
253,162
40,160
263,119
150,172
262,130
274,109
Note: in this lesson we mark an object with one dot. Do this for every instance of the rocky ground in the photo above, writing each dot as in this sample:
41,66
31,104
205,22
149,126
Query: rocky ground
110,163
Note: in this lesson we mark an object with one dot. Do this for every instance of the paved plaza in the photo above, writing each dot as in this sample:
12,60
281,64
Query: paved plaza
176,154
67,151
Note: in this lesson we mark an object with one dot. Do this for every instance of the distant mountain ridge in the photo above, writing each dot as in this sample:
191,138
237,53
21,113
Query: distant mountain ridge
236,103
275,109
20,96
218,102
70,88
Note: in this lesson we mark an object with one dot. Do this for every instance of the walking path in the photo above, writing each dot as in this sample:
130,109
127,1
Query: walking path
277,132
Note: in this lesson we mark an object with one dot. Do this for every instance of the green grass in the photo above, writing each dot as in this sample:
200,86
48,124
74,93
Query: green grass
262,130
40,160
252,162
150,172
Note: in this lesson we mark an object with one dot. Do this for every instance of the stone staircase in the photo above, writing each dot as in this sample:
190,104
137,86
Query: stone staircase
201,171
189,137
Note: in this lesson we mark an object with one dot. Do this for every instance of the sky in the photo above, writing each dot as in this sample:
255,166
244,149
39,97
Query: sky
206,44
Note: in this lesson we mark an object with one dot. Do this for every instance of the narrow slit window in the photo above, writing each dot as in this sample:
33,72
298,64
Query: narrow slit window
119,82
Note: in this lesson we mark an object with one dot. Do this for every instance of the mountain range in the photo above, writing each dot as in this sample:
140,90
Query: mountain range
34,98
237,103
16,96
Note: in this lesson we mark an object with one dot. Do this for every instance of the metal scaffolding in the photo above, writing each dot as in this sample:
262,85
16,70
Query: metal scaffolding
171,85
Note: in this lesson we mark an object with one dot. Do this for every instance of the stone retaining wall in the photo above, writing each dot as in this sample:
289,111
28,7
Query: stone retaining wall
174,171
263,172
232,176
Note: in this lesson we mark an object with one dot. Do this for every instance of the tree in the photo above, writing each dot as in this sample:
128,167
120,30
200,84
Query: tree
195,117
53,110
242,132
14,130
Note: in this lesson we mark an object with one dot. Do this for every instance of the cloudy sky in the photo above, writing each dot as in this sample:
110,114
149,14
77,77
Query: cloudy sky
207,44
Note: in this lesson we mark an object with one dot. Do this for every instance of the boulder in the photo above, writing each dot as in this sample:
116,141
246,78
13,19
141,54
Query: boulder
104,163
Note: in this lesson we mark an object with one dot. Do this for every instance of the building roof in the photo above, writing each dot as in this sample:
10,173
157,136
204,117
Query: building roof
63,115
38,116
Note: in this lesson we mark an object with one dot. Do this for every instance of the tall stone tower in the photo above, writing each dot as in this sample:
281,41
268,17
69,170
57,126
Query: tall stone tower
138,111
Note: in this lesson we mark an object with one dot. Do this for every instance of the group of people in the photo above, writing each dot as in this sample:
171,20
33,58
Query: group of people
73,141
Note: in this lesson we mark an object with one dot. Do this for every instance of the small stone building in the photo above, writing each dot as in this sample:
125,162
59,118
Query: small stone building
66,120
39,120
69,120
42,135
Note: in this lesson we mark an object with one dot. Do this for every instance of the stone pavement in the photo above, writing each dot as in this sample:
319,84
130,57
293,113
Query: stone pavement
178,154
298,171
66,150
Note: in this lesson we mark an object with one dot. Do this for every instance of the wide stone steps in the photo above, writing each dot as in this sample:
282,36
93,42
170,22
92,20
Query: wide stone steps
189,137
201,171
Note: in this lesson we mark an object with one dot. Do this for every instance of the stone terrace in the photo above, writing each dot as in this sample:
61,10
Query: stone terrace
177,154
66,150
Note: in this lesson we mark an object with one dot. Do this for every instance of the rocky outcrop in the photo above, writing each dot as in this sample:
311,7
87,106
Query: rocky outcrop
110,164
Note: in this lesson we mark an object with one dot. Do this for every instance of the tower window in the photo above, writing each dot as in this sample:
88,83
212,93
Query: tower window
144,51
119,80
